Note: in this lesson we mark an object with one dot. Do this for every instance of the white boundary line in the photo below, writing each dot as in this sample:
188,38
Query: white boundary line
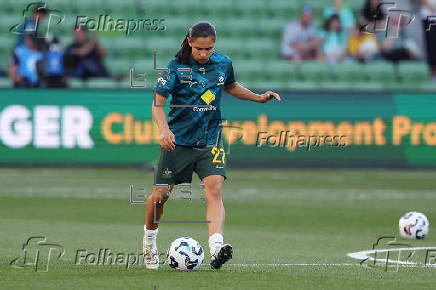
365,255
361,256
293,265
331,265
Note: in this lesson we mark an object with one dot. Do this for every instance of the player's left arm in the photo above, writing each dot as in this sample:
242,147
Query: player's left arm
238,91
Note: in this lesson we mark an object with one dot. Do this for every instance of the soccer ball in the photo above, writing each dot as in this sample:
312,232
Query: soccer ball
414,225
185,254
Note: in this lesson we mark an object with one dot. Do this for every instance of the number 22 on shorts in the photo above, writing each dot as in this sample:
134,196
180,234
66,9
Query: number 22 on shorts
218,158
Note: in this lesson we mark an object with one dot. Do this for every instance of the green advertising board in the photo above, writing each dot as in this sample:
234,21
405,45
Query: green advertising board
306,129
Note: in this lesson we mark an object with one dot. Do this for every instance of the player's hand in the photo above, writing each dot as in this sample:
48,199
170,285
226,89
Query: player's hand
167,140
267,96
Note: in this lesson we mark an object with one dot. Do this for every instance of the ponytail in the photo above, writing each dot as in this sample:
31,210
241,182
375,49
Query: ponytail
184,52
200,29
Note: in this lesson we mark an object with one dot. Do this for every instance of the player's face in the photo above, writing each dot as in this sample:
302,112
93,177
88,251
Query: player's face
202,48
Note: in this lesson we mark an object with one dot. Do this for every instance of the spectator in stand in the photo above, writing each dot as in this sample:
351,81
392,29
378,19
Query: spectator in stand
31,24
85,55
399,48
345,13
372,15
54,65
334,46
300,40
428,9
25,69
372,11
362,46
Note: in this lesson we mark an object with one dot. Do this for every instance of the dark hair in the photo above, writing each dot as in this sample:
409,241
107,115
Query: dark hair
40,9
372,14
32,37
83,28
39,43
329,21
199,29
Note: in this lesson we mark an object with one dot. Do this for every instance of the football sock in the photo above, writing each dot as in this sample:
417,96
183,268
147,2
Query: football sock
215,241
150,236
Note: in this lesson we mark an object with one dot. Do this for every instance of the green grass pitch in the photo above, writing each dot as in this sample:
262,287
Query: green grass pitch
291,229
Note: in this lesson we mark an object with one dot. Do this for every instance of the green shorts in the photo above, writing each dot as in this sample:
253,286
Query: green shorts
177,166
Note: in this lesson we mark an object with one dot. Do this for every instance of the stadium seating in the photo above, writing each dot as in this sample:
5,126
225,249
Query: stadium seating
249,31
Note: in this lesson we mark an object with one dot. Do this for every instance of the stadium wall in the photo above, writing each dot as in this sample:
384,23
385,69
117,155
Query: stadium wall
307,129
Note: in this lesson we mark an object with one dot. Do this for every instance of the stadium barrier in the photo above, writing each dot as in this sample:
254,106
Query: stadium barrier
307,129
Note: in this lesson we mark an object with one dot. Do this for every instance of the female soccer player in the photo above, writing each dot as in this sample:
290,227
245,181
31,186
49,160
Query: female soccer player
191,138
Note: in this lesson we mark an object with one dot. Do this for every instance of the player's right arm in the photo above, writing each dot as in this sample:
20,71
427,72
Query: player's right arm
167,138
165,86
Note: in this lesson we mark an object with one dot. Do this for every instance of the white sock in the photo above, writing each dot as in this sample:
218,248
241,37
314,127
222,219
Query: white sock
150,237
215,241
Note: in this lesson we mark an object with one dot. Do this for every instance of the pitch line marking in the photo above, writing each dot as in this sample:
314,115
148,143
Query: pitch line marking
291,265
365,255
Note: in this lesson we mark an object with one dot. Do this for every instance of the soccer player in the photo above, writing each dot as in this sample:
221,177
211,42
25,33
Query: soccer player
191,138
